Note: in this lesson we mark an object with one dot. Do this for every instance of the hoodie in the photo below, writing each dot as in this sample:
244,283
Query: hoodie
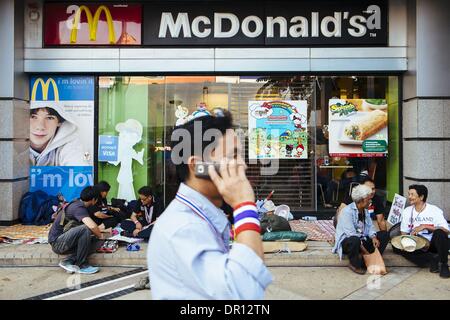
65,148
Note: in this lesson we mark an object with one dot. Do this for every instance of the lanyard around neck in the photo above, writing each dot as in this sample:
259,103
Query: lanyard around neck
196,209
411,220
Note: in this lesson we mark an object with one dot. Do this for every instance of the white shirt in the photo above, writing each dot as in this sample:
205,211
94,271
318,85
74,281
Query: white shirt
431,215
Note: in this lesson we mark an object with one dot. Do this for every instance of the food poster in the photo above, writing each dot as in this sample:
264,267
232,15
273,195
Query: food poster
358,127
278,129
61,134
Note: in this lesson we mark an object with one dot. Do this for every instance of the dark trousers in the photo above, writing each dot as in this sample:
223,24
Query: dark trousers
351,246
79,242
108,222
114,220
129,226
439,245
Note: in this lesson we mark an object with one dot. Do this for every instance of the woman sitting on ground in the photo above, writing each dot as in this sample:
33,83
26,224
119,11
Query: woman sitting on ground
355,234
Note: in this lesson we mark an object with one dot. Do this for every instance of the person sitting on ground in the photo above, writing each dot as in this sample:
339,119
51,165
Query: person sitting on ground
103,215
426,220
79,241
145,211
355,234
376,206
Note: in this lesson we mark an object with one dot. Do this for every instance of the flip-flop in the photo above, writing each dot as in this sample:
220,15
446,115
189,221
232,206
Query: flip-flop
133,247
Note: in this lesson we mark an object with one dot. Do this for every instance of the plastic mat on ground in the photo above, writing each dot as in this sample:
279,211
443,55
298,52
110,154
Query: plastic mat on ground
320,230
20,234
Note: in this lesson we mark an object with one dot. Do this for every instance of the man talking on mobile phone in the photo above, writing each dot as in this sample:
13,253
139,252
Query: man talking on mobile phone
189,255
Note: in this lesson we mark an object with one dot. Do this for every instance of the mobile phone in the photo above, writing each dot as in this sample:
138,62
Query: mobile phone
201,169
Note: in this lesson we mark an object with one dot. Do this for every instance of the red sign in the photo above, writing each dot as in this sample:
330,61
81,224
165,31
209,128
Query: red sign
92,24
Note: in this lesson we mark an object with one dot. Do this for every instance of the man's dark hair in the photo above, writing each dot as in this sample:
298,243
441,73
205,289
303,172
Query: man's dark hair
146,191
420,189
89,193
207,122
365,178
103,186
50,111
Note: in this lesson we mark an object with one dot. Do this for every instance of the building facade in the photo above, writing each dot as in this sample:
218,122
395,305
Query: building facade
313,67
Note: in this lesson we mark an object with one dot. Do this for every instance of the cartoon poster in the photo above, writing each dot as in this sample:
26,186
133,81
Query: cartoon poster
358,127
61,134
278,129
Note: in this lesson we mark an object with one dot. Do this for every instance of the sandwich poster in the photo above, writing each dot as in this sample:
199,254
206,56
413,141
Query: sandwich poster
278,129
61,134
358,127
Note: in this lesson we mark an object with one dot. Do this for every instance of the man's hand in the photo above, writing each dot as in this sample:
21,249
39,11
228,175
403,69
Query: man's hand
363,249
376,242
418,229
139,226
232,183
114,209
135,232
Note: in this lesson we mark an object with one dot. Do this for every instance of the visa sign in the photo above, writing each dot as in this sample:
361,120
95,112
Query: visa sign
107,148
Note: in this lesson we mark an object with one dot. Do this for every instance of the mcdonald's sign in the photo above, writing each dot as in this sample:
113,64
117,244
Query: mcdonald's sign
92,24
44,87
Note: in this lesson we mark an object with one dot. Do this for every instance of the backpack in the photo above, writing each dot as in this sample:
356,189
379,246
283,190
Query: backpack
65,222
46,211
36,208
274,223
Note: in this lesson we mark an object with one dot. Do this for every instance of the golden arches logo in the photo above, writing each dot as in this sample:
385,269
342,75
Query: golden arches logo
92,23
44,87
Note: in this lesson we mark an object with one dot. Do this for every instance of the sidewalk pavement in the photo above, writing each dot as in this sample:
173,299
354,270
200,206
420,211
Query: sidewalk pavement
318,254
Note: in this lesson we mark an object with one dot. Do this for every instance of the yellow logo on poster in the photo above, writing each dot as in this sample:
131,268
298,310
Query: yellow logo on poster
44,87
92,23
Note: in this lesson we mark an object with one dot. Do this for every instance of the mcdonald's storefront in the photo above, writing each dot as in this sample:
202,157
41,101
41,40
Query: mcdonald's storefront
294,75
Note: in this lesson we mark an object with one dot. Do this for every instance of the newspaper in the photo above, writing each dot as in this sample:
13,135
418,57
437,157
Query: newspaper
118,237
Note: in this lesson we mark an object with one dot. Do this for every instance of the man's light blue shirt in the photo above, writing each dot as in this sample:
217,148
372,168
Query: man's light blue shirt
347,227
187,259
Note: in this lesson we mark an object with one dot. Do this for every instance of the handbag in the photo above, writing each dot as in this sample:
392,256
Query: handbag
375,263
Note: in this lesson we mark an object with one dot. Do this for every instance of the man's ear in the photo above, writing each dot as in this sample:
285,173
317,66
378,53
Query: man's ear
192,160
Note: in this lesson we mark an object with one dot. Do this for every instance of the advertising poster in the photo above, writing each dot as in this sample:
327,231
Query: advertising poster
92,24
358,127
278,129
61,134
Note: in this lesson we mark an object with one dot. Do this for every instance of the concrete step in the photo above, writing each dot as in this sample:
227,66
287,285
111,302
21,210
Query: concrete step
317,254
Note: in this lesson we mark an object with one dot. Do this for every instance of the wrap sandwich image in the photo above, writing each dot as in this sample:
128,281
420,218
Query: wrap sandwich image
367,126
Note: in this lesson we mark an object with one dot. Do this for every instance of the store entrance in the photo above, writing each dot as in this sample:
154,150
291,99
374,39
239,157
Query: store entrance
308,178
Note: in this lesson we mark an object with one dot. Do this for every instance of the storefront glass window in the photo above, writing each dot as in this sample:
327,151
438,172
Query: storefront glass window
301,181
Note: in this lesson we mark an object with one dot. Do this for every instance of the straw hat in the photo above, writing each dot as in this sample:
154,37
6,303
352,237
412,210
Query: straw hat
409,243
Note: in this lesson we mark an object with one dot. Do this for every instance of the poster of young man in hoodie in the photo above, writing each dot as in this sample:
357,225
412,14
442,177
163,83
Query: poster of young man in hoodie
54,139
61,134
